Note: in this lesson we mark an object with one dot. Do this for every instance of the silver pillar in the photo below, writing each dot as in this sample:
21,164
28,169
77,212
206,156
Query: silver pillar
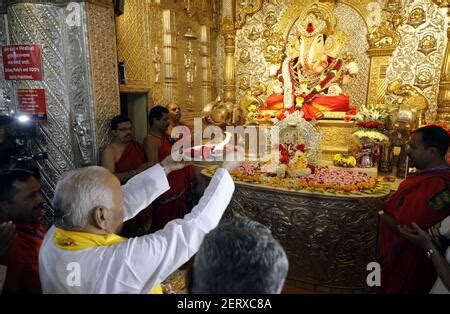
5,86
61,32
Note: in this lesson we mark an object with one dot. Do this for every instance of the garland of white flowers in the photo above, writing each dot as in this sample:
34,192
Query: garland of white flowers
287,84
372,135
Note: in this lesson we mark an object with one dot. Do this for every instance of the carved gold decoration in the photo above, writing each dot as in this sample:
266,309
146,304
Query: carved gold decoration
157,76
417,17
206,12
157,60
244,56
410,96
409,99
244,82
227,26
190,67
222,113
296,10
161,56
133,47
205,66
377,83
336,133
424,78
380,52
254,34
249,10
103,57
443,99
383,33
170,46
273,48
441,3
229,83
270,19
189,7
427,44
251,99
397,20
383,36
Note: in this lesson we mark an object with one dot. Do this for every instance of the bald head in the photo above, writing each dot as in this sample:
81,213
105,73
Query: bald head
174,112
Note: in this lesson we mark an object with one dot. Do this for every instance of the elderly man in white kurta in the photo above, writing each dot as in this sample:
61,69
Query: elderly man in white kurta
82,253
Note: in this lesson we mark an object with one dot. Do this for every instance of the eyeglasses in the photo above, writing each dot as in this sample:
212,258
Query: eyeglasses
125,129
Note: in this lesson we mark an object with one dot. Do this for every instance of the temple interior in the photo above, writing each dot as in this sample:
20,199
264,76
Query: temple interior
330,86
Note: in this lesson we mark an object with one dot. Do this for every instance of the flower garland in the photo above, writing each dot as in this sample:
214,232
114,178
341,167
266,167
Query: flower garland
371,135
325,79
322,179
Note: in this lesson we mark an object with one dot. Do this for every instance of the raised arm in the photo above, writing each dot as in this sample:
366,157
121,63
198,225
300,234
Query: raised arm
151,258
142,189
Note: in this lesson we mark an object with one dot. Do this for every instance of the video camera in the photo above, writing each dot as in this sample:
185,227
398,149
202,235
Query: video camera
15,146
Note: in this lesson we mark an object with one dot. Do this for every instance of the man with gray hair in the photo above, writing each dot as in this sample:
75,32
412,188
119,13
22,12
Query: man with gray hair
82,253
240,256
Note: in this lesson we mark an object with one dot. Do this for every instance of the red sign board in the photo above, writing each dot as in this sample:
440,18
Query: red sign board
22,62
32,102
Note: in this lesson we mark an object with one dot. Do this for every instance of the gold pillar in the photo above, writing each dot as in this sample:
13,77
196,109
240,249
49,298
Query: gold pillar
443,101
229,78
229,34
169,51
205,64
103,63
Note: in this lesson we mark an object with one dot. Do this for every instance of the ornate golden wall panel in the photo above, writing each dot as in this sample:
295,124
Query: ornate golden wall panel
165,48
336,135
143,66
133,43
377,82
103,57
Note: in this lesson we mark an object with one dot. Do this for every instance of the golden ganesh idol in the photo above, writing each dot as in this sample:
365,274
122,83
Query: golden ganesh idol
310,77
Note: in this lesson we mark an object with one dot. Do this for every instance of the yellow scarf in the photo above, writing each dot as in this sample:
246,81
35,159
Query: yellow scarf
75,241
